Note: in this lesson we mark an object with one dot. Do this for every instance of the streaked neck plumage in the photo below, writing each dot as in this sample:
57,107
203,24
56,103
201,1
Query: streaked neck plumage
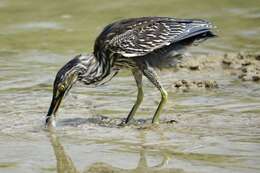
90,70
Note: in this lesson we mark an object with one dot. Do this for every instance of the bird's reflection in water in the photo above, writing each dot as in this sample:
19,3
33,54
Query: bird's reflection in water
66,165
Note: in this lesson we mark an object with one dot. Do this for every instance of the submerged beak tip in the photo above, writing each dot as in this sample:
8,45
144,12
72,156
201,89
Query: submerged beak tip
50,122
50,117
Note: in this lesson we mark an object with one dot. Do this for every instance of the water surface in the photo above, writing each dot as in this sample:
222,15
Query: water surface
218,130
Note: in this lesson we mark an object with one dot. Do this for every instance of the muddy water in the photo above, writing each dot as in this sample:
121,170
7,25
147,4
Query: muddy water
217,130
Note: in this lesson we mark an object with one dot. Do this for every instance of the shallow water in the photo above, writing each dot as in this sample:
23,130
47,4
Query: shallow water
217,130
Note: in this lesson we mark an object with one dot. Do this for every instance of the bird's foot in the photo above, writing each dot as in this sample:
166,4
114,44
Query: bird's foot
125,123
155,122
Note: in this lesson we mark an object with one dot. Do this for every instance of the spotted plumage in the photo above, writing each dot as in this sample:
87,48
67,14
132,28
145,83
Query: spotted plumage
138,44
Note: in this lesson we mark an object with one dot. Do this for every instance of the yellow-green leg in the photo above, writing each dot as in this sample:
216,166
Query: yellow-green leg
164,98
138,78
152,76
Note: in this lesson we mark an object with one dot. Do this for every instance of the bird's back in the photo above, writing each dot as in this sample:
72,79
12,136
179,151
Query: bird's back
139,37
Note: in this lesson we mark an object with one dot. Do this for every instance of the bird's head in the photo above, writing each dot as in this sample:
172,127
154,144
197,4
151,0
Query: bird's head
65,78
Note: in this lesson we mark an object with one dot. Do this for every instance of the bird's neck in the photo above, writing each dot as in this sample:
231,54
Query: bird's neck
91,70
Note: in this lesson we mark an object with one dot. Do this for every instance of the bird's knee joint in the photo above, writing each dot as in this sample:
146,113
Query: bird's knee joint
164,95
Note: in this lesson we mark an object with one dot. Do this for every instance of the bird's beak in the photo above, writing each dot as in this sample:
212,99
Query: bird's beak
55,104
58,95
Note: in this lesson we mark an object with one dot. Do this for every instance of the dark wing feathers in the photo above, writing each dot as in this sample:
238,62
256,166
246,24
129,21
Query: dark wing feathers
140,36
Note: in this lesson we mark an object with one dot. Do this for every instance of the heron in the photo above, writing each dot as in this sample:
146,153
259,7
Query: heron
140,45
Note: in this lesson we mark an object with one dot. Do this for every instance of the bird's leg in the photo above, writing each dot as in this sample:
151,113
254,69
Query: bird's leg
138,78
150,73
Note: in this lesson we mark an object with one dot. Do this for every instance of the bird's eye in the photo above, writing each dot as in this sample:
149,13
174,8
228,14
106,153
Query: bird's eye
61,87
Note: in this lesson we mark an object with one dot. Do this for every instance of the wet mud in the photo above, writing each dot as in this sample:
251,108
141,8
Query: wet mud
244,66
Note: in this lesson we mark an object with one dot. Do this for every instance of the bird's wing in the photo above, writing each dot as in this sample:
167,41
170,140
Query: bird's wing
139,39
